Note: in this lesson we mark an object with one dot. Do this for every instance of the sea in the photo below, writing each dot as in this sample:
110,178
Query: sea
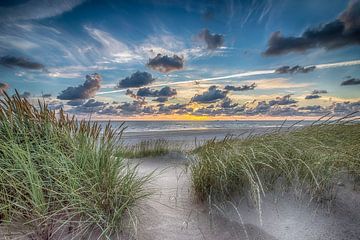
190,131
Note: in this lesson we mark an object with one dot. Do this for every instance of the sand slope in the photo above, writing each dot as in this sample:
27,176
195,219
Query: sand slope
173,213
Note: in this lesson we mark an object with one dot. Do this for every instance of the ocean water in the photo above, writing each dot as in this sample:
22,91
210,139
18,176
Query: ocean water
163,126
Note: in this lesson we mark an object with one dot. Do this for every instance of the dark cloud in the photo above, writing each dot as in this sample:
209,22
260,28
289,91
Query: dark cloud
164,92
130,93
262,107
90,106
174,108
341,32
3,88
11,61
165,63
312,96
311,108
161,99
111,110
213,41
351,81
284,100
319,91
136,107
211,95
295,69
84,91
240,88
137,79
227,103
345,107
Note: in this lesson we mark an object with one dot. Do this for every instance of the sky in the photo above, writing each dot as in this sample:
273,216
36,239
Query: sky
183,59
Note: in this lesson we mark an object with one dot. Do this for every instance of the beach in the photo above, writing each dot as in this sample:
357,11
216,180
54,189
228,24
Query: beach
192,133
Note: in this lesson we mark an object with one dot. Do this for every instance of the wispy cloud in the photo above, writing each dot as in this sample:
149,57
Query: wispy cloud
37,9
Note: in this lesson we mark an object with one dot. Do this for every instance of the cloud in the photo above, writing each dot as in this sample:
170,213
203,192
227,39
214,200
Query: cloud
284,100
345,107
3,87
319,91
211,95
312,96
213,41
227,103
90,106
295,69
341,32
240,88
35,9
11,61
164,92
137,79
114,50
76,102
135,107
165,64
351,81
161,99
84,91
174,108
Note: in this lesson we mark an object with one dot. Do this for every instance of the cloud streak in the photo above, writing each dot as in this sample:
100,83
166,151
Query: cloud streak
243,74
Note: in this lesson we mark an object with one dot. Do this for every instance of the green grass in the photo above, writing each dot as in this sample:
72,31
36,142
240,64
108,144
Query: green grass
309,159
147,148
57,173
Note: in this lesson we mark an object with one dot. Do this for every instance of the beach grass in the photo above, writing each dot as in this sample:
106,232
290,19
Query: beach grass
148,148
310,160
57,173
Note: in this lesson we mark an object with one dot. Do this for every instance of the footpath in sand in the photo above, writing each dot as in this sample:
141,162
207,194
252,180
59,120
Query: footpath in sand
172,212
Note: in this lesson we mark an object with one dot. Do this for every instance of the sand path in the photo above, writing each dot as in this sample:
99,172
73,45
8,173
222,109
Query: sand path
172,213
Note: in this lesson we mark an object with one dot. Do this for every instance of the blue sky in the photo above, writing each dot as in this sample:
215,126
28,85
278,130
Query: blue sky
48,46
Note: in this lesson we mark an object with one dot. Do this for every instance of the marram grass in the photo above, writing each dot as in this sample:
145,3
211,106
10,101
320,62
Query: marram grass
147,148
57,173
311,159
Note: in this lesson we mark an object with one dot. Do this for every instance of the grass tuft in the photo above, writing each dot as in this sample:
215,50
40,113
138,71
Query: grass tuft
310,159
147,148
58,173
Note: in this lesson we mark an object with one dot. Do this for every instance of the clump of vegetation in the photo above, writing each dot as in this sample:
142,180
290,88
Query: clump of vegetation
310,159
57,173
147,148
